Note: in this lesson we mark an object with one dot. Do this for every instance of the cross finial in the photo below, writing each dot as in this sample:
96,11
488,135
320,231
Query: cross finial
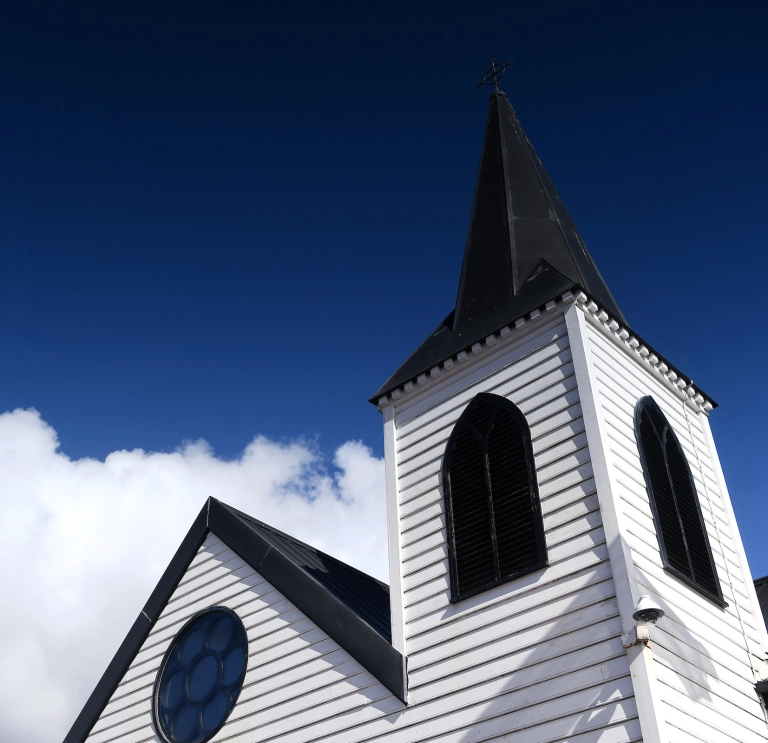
494,74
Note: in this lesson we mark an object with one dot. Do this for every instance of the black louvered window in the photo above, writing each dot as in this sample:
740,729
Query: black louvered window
680,527
495,530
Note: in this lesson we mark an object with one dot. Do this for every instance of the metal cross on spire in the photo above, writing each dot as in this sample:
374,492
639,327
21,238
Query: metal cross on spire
494,74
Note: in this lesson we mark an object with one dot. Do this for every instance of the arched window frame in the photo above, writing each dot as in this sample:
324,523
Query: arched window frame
716,597
541,546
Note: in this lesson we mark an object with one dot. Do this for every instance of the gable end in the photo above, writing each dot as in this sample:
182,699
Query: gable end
329,613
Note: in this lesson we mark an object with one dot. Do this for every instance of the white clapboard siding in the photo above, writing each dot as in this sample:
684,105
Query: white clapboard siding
555,365
539,658
534,346
644,383
297,675
703,654
301,686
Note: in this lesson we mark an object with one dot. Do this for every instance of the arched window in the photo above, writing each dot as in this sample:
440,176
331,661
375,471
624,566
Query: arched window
680,527
495,530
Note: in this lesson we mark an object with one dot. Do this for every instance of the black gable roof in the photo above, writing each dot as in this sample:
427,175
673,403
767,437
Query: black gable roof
349,606
367,597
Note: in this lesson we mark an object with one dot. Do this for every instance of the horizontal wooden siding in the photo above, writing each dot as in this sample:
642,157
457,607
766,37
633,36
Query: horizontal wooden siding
703,653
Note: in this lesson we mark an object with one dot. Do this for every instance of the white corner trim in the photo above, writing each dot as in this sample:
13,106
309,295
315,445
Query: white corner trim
647,693
622,566
393,533
619,553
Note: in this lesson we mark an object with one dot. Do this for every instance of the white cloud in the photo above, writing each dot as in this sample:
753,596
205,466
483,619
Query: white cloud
83,543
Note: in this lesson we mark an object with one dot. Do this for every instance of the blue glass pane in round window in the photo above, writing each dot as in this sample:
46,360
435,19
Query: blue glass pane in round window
173,689
220,634
184,722
215,711
201,677
190,646
234,663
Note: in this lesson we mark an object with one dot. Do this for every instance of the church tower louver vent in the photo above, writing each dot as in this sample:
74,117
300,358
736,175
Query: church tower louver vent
494,518
682,535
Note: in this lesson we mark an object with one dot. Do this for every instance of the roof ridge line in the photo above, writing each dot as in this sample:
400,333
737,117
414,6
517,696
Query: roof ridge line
528,146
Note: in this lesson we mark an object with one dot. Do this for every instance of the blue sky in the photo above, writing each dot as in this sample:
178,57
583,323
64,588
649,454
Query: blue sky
223,220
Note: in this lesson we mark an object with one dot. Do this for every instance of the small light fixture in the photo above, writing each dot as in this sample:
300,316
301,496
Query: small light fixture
761,687
647,610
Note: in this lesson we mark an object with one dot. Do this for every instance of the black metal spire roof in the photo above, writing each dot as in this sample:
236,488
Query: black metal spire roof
522,248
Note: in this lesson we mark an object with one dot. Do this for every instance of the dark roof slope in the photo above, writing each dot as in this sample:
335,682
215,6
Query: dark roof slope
349,606
761,587
522,248
364,595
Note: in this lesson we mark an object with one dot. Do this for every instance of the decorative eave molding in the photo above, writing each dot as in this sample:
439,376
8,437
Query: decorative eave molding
644,353
632,343
453,363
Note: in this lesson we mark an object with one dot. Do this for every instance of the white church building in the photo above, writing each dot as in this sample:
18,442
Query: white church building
564,560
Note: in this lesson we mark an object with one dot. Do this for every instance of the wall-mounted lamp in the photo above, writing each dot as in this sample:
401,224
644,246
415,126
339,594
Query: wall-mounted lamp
647,610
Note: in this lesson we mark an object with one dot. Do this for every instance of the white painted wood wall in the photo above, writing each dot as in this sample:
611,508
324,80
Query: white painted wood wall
536,660
299,684
540,658
703,656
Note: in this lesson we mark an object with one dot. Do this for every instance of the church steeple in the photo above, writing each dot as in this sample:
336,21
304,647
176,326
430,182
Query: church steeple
522,248
518,221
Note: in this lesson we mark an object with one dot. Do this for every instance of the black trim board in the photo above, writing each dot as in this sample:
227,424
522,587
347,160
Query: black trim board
336,619
96,703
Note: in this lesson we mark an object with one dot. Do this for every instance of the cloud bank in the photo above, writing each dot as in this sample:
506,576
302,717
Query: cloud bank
83,543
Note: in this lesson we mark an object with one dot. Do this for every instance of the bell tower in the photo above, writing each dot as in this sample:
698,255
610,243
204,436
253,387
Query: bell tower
564,558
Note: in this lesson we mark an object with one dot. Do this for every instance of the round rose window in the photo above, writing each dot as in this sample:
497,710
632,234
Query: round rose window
200,677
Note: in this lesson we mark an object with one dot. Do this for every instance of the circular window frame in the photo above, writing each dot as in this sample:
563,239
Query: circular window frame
167,657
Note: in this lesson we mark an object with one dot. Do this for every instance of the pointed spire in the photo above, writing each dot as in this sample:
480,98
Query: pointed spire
522,248
517,222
